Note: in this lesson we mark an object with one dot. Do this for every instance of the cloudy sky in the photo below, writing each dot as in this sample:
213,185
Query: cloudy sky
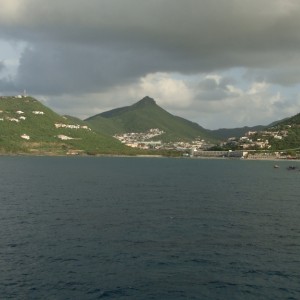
220,63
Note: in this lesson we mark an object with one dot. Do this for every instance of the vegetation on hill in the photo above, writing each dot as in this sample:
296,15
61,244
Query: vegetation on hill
280,136
27,126
291,127
226,133
144,115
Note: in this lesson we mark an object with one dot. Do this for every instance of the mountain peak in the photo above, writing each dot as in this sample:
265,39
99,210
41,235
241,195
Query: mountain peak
146,101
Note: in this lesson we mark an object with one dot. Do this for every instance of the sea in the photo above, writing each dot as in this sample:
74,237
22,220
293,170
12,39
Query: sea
148,228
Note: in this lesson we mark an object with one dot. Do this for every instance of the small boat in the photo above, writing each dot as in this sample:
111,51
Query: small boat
276,166
291,168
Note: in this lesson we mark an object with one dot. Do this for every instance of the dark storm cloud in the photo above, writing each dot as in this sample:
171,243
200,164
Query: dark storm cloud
91,45
6,83
7,86
62,68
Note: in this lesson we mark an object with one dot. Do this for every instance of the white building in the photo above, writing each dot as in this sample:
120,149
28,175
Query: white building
25,136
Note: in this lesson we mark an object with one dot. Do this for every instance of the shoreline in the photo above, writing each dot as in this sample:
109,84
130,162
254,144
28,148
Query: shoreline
274,159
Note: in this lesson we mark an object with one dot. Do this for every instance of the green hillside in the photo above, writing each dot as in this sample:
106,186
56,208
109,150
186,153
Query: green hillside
294,120
226,133
27,126
291,129
144,115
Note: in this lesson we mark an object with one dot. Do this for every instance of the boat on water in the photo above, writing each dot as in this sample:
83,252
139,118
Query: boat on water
276,166
290,168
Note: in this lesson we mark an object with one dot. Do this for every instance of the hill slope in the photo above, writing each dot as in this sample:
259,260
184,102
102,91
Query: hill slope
290,127
226,133
144,115
27,126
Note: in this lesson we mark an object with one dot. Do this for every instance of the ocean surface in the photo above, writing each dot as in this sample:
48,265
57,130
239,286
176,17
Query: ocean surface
148,228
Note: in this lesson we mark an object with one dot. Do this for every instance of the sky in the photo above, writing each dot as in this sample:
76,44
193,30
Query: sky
219,63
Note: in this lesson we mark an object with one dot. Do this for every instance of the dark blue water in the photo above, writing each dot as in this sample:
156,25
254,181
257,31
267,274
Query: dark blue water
148,228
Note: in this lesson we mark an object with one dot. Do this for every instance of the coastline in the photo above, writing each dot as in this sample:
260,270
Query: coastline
258,158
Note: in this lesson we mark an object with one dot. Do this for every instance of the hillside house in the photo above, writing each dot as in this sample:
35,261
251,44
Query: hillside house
36,112
64,137
25,136
13,120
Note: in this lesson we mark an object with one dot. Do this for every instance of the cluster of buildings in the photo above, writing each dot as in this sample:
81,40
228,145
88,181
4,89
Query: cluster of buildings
189,147
14,97
141,140
20,116
71,126
256,139
144,140
242,147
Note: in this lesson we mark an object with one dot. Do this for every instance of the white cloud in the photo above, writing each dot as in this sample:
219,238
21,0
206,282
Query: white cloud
258,88
215,77
256,104
233,90
168,91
